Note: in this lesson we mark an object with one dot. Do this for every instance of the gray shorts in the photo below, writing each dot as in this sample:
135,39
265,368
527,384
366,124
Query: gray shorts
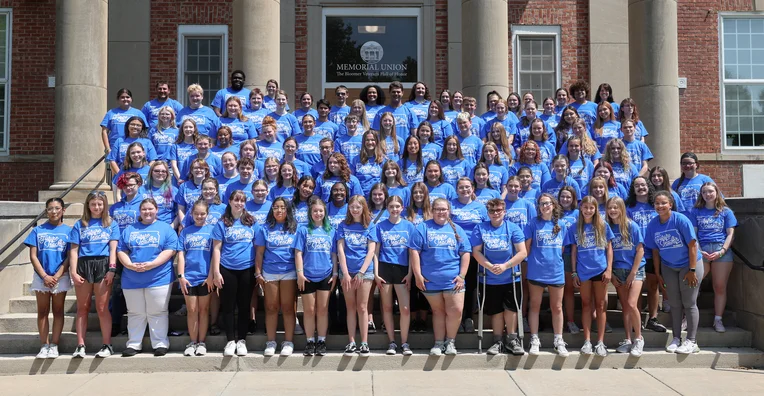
622,274
289,276
711,247
449,291
368,276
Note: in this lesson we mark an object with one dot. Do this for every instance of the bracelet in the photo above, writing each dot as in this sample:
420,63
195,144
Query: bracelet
112,270
112,265
461,276
574,274
259,276
298,270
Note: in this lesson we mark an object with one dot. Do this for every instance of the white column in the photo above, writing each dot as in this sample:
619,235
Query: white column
654,74
485,49
81,98
256,40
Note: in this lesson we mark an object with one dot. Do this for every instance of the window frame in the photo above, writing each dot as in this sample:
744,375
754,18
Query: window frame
370,12
723,82
200,31
535,31
5,141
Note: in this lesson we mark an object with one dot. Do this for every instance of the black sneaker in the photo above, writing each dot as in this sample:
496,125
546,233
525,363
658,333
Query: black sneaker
654,325
252,329
514,346
128,352
350,349
161,351
372,327
321,348
364,350
310,349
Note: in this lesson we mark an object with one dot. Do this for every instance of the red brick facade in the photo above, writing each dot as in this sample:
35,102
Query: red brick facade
33,59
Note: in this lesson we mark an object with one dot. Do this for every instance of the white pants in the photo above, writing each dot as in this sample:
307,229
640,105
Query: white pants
148,306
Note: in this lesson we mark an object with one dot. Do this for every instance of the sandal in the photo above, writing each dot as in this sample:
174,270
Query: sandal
214,330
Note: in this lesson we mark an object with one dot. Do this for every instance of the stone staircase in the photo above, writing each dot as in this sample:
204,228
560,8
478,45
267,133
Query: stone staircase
19,343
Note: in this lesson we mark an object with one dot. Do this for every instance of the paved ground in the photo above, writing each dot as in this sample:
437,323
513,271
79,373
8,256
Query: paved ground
653,382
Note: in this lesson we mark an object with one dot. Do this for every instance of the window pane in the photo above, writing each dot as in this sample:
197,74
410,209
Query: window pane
744,109
537,66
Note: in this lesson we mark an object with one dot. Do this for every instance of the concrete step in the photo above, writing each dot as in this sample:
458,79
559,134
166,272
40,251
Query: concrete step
420,361
27,322
28,343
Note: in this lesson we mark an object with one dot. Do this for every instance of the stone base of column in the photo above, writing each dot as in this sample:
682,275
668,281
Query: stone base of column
77,195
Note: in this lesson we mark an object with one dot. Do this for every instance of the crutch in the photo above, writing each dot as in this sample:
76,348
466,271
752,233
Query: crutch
517,273
481,304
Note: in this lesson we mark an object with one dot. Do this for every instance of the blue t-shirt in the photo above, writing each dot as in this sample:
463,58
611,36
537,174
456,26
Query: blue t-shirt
540,173
472,148
441,129
591,259
409,171
151,109
241,130
337,214
531,196
196,244
371,112
420,109
238,185
52,243
431,151
443,190
326,129
610,130
308,148
393,241
510,124
639,152
498,175
337,114
278,257
119,147
476,129
405,119
368,174
256,116
300,212
299,113
125,212
324,187
214,214
641,213
483,195
623,176
519,212
455,169
623,255
587,111
237,250
180,152
317,246
94,239
283,191
115,120
356,239
439,253
671,239
221,97
188,193
689,190
167,208
545,263
286,126
349,146
553,186
712,227
207,122
581,170
468,216
143,243
163,141
498,248
390,153
259,210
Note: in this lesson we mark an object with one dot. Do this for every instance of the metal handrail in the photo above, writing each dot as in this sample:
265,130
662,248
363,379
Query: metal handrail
746,261
62,195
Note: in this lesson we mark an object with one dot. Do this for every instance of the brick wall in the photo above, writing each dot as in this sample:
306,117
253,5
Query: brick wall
699,107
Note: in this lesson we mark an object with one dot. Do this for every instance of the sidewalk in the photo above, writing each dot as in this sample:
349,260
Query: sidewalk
640,382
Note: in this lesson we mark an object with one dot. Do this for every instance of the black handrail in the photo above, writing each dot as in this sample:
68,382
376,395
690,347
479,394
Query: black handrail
62,195
746,261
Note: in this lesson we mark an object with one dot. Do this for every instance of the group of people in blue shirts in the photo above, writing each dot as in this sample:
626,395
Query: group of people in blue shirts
412,199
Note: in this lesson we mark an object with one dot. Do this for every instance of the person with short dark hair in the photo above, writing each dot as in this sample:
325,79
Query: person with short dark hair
236,90
151,108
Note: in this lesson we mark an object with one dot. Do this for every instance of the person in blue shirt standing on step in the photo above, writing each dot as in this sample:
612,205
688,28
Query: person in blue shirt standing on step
586,110
419,100
113,124
405,120
146,250
151,108
48,251
207,121
688,185
236,90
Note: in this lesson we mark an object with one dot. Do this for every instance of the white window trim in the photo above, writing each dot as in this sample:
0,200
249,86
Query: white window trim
538,31
370,12
200,31
722,108
5,150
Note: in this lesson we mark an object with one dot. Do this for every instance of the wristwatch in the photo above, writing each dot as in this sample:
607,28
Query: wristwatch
692,269
180,276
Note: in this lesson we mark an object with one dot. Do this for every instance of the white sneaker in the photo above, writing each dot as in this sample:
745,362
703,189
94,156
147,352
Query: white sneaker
79,352
201,349
637,347
673,345
287,347
53,351
437,349
450,348
587,349
624,346
106,351
535,345
241,348
43,354
270,348
190,349
559,346
719,326
600,349
573,328
392,349
230,348
688,347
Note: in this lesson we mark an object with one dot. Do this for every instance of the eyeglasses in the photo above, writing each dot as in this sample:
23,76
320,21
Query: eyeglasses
131,185
54,210
159,171
494,211
545,204
688,163
440,209
97,193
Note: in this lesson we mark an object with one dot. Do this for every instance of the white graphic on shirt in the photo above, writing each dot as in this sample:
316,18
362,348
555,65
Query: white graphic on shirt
238,234
711,223
94,235
144,239
546,239
51,241
318,243
669,239
496,242
280,239
198,241
441,240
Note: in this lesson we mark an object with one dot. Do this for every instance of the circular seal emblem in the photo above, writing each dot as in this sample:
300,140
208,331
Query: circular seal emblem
371,52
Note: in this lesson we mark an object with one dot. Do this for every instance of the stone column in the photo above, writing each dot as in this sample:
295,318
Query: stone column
256,40
485,49
654,74
81,98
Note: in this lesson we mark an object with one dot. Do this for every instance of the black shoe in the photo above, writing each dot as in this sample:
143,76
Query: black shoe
128,352
252,329
654,325
114,330
310,349
321,348
363,350
161,351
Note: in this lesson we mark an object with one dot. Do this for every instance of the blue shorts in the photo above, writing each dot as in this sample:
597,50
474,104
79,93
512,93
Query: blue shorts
711,247
623,273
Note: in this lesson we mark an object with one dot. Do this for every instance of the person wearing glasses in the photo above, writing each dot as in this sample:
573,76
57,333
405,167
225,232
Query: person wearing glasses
688,185
92,264
48,251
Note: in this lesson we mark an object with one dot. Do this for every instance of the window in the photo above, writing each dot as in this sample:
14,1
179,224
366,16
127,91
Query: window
537,64
202,59
5,77
742,74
